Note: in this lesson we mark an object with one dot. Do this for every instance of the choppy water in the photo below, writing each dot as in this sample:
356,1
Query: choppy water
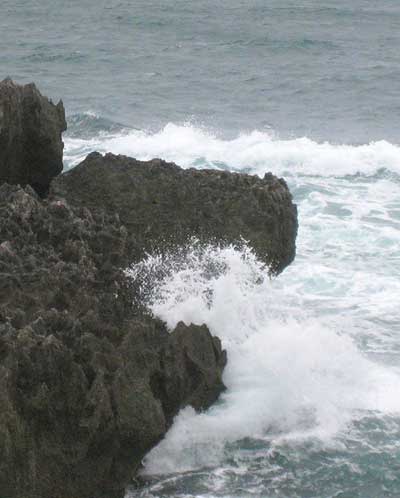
326,69
312,407
308,90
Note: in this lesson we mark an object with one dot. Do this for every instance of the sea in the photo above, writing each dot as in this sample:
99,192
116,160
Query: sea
310,91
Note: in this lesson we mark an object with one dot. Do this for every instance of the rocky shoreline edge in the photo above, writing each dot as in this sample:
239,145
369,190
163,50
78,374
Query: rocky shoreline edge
89,383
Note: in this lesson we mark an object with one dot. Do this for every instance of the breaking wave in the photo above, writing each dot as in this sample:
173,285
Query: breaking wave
292,374
255,152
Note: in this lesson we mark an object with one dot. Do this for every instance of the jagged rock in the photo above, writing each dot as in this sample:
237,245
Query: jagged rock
87,384
162,205
31,147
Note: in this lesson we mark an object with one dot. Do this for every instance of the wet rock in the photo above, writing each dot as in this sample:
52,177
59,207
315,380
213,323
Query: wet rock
162,205
31,147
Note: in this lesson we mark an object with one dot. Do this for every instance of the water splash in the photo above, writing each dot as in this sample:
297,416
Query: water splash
291,375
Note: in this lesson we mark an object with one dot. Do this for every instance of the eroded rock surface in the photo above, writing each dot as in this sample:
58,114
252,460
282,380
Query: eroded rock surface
87,384
163,205
31,147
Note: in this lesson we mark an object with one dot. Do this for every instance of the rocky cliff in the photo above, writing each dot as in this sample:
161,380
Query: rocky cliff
88,382
87,385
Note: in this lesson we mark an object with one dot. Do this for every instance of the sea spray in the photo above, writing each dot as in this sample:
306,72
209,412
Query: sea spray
291,376
313,375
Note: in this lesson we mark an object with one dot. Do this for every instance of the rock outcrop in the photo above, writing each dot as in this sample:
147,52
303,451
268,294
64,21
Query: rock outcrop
89,382
87,385
162,205
31,147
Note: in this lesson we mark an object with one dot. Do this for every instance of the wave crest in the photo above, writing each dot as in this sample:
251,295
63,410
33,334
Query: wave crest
256,152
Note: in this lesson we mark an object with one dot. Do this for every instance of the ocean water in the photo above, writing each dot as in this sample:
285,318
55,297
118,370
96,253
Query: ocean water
305,89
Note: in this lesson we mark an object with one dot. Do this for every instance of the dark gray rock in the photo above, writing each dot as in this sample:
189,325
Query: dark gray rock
87,384
162,205
31,147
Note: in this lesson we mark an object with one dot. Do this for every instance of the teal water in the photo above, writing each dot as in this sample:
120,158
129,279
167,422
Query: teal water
308,90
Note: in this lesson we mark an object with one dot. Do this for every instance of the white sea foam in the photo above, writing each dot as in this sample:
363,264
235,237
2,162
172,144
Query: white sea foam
291,374
299,347
257,152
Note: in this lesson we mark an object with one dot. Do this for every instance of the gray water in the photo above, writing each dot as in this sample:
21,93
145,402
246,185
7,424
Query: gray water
325,69
308,90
